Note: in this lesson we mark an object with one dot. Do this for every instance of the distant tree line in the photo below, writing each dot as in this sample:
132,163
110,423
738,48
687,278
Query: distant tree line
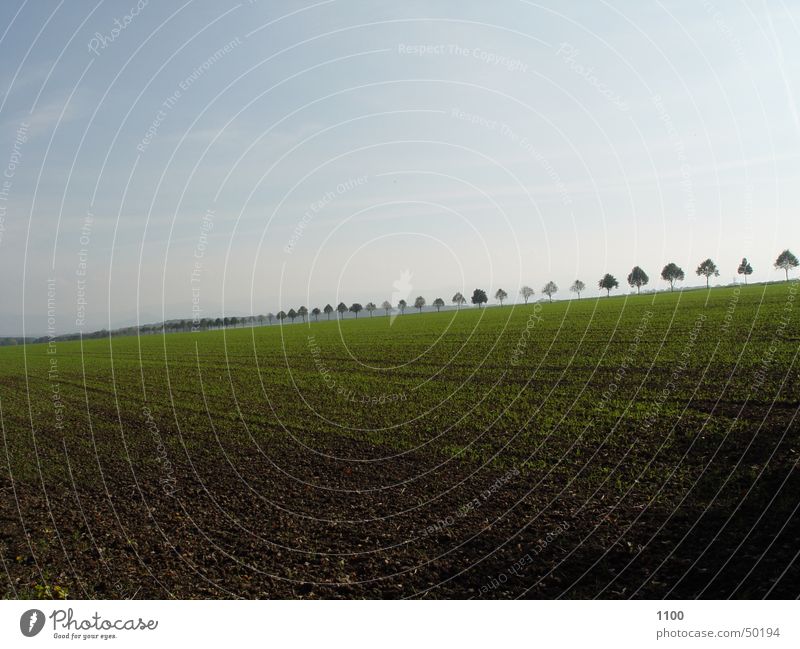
7,341
637,278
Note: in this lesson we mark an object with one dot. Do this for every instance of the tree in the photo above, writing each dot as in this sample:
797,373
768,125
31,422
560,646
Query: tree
608,282
577,287
401,305
371,307
479,297
218,323
281,316
234,321
355,307
672,273
302,312
387,306
292,314
342,309
550,289
745,269
786,261
419,303
438,303
526,292
500,296
459,300
707,268
638,278
328,310
315,312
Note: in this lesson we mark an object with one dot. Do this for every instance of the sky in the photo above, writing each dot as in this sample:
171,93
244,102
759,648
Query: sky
175,160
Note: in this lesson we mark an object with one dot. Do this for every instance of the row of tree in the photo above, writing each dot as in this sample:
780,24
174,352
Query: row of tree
637,278
672,273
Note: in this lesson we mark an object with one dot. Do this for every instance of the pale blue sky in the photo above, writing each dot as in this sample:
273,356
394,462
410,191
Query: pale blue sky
519,142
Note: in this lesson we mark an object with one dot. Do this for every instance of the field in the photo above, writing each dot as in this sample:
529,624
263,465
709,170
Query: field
642,446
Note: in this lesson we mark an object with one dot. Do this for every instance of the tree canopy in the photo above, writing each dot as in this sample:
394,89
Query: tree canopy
526,292
638,278
708,269
577,287
608,281
672,273
745,269
479,297
786,261
550,289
